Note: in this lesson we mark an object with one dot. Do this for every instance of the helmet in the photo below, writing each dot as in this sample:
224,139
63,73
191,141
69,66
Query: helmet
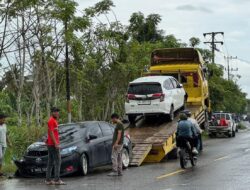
188,113
183,116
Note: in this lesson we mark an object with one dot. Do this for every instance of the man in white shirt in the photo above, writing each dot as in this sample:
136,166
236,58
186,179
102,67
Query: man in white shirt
198,129
3,140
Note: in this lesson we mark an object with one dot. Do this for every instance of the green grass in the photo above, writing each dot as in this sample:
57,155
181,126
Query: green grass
204,135
9,166
241,126
20,138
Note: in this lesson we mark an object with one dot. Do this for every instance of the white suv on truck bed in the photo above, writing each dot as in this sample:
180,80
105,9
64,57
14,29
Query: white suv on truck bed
154,95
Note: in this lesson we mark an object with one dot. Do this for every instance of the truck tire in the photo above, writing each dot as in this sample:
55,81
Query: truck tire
131,119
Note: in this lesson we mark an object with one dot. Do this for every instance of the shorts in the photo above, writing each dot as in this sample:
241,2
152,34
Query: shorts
2,152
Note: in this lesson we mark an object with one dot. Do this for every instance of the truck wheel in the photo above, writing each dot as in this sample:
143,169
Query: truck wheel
229,134
211,135
131,119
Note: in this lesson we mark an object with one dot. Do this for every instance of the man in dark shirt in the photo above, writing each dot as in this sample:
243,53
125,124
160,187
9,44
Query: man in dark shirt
117,146
53,143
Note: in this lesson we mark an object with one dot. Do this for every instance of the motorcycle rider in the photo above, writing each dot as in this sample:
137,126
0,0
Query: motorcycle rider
186,132
197,128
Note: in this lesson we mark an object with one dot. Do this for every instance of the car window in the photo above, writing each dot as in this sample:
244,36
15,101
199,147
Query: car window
221,116
94,129
106,129
69,131
168,84
144,88
174,83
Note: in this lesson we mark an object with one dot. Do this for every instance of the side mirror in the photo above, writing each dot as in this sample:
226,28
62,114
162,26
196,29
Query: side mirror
90,137
180,86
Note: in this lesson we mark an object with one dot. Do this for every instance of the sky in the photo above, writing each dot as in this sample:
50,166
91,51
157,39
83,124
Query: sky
192,18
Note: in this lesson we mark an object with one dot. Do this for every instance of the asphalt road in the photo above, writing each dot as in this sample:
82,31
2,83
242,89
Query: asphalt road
224,165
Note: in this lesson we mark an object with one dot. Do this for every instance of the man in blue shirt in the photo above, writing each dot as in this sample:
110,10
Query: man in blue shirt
186,133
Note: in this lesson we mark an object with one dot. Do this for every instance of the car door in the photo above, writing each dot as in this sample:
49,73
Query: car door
107,131
169,92
179,97
175,94
97,146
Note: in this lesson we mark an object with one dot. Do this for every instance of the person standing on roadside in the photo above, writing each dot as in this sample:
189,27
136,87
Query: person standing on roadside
3,140
53,144
117,146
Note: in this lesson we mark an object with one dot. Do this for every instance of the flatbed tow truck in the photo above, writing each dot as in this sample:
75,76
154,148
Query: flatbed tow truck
153,140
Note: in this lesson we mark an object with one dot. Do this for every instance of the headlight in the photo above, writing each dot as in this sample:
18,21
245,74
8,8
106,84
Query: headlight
68,150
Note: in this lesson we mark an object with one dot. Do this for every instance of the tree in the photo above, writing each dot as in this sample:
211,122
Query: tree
193,42
145,29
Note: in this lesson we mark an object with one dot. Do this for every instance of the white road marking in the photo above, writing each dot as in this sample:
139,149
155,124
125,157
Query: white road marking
221,158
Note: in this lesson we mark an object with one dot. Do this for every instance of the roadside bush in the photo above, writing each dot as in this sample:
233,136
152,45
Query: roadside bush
241,126
20,138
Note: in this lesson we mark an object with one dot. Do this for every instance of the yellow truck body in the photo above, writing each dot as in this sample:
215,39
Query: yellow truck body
153,143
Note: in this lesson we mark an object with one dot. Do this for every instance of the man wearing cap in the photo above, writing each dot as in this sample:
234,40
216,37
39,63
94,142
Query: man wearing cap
53,143
3,139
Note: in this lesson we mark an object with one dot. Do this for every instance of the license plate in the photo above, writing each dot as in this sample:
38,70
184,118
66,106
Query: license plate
144,102
39,170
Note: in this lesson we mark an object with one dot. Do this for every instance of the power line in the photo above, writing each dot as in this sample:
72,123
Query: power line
213,42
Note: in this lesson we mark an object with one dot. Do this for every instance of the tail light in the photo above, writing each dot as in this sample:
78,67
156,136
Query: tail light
160,96
130,97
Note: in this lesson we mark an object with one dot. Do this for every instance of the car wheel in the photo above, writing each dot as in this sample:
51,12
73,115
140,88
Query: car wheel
125,158
171,114
131,119
229,134
84,165
233,133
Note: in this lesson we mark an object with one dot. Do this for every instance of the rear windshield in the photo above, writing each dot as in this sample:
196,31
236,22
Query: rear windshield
144,88
222,115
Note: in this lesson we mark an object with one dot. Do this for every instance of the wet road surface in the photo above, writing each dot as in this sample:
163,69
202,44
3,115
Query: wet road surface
224,165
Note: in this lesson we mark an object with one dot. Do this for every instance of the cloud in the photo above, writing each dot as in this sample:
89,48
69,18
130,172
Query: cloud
188,7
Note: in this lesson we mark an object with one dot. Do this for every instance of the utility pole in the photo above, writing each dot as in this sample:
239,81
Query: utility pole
228,58
213,42
67,73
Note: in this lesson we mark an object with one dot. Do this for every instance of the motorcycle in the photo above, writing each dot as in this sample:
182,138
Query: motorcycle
186,155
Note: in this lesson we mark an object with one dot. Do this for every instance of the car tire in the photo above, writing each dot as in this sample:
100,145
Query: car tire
229,134
84,165
171,114
233,133
125,158
131,119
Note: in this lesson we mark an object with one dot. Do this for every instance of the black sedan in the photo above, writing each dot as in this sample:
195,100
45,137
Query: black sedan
84,146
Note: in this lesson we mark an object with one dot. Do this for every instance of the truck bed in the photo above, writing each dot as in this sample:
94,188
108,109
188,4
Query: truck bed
154,138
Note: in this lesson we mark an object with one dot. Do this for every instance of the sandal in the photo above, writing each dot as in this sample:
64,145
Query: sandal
49,182
60,182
